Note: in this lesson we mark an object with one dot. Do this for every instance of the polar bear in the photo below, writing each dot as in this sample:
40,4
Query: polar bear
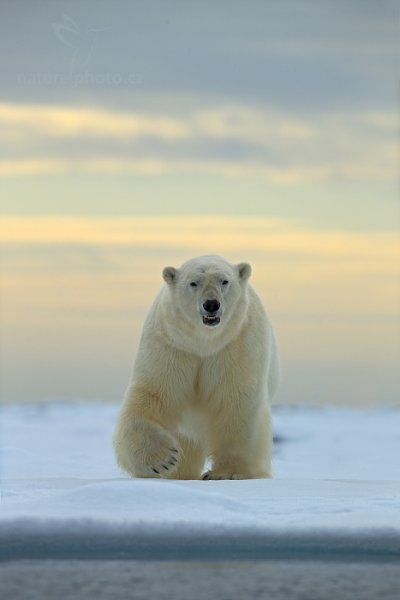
204,374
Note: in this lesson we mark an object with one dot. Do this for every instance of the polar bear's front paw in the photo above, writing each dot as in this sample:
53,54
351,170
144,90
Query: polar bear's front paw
152,451
160,466
209,475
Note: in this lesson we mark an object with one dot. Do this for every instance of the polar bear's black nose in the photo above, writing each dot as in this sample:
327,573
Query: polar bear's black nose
211,306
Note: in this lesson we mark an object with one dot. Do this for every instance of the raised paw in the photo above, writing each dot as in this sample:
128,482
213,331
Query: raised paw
148,450
160,468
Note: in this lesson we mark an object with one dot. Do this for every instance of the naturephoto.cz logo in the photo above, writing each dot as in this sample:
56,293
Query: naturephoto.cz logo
82,43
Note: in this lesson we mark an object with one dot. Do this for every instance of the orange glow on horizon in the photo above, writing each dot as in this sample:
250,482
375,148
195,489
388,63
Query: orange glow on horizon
219,233
74,287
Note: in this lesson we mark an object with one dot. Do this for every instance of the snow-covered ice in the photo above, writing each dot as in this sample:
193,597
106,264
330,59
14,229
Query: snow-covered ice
336,489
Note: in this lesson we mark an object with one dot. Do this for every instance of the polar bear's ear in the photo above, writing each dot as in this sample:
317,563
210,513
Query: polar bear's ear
170,274
244,270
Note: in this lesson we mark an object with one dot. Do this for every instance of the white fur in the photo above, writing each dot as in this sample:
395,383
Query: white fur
198,391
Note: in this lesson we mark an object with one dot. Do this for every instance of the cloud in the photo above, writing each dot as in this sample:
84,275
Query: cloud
232,140
27,121
294,54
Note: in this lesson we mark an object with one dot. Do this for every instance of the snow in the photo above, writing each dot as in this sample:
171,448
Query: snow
336,489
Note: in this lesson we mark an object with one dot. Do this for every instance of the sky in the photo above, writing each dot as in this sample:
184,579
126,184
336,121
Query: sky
135,135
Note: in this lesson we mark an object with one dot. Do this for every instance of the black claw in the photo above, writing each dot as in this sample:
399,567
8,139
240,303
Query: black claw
171,463
165,467
155,470
174,450
206,476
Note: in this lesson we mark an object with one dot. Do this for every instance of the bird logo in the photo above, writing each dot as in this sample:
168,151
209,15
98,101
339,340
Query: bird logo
81,41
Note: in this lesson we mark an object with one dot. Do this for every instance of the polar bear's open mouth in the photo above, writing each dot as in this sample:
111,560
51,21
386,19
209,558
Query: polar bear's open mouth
211,321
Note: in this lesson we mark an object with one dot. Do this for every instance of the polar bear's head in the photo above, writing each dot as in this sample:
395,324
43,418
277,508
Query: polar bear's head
208,290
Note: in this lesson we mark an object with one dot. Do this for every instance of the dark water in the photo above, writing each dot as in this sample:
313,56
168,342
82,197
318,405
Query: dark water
198,580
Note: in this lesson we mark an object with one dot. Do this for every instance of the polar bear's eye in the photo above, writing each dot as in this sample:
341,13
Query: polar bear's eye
193,284
225,282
